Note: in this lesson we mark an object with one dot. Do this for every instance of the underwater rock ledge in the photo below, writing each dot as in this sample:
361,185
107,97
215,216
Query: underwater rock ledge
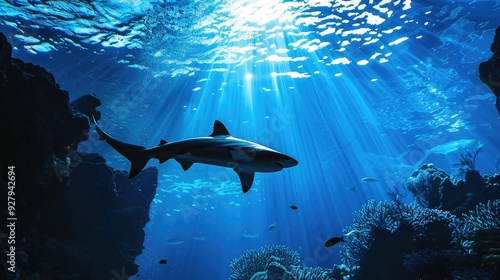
489,71
77,218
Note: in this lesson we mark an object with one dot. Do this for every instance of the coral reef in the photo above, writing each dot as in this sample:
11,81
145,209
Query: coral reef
487,246
489,71
479,230
279,262
443,264
391,230
433,188
485,216
317,273
393,240
467,160
366,222
278,257
76,217
452,231
427,185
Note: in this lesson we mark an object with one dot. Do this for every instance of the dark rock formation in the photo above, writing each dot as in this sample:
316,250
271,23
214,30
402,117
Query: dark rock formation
103,213
427,184
489,71
87,105
487,246
433,188
76,217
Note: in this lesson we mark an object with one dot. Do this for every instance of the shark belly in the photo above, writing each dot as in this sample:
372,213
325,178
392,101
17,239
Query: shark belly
261,166
225,158
217,161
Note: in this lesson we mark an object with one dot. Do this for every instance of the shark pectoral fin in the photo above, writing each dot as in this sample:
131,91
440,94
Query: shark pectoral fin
162,142
163,159
246,179
186,164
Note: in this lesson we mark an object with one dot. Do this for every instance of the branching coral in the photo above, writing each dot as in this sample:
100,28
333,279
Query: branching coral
316,273
484,217
258,260
394,228
424,217
433,228
467,160
278,262
370,217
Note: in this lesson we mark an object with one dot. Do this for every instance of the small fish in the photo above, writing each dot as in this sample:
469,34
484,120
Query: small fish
271,226
368,180
293,207
334,240
351,189
249,234
174,241
163,261
200,237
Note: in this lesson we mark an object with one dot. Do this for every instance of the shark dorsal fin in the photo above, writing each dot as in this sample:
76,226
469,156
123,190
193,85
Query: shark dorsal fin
162,142
219,129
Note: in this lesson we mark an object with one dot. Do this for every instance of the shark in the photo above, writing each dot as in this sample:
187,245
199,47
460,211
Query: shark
219,149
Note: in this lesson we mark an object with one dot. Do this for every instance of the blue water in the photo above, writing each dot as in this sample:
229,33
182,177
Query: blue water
351,89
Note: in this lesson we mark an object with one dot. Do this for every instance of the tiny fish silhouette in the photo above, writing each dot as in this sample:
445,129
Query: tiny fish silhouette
163,261
369,180
293,207
334,240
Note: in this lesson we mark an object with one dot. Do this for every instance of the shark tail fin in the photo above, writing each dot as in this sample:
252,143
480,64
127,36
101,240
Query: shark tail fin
135,154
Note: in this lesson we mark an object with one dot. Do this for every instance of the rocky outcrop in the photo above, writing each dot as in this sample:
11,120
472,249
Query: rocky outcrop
433,188
77,218
489,71
99,224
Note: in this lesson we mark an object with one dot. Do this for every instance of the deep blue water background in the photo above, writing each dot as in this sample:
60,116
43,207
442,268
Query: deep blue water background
342,122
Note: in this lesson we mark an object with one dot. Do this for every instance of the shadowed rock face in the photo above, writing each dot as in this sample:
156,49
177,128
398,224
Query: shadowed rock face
433,188
489,71
77,217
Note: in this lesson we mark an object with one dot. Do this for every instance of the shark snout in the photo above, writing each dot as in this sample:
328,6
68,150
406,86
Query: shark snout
287,161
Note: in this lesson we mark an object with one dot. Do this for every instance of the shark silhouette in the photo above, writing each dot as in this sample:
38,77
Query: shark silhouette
219,148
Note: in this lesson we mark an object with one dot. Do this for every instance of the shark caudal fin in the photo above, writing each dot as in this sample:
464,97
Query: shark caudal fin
135,154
